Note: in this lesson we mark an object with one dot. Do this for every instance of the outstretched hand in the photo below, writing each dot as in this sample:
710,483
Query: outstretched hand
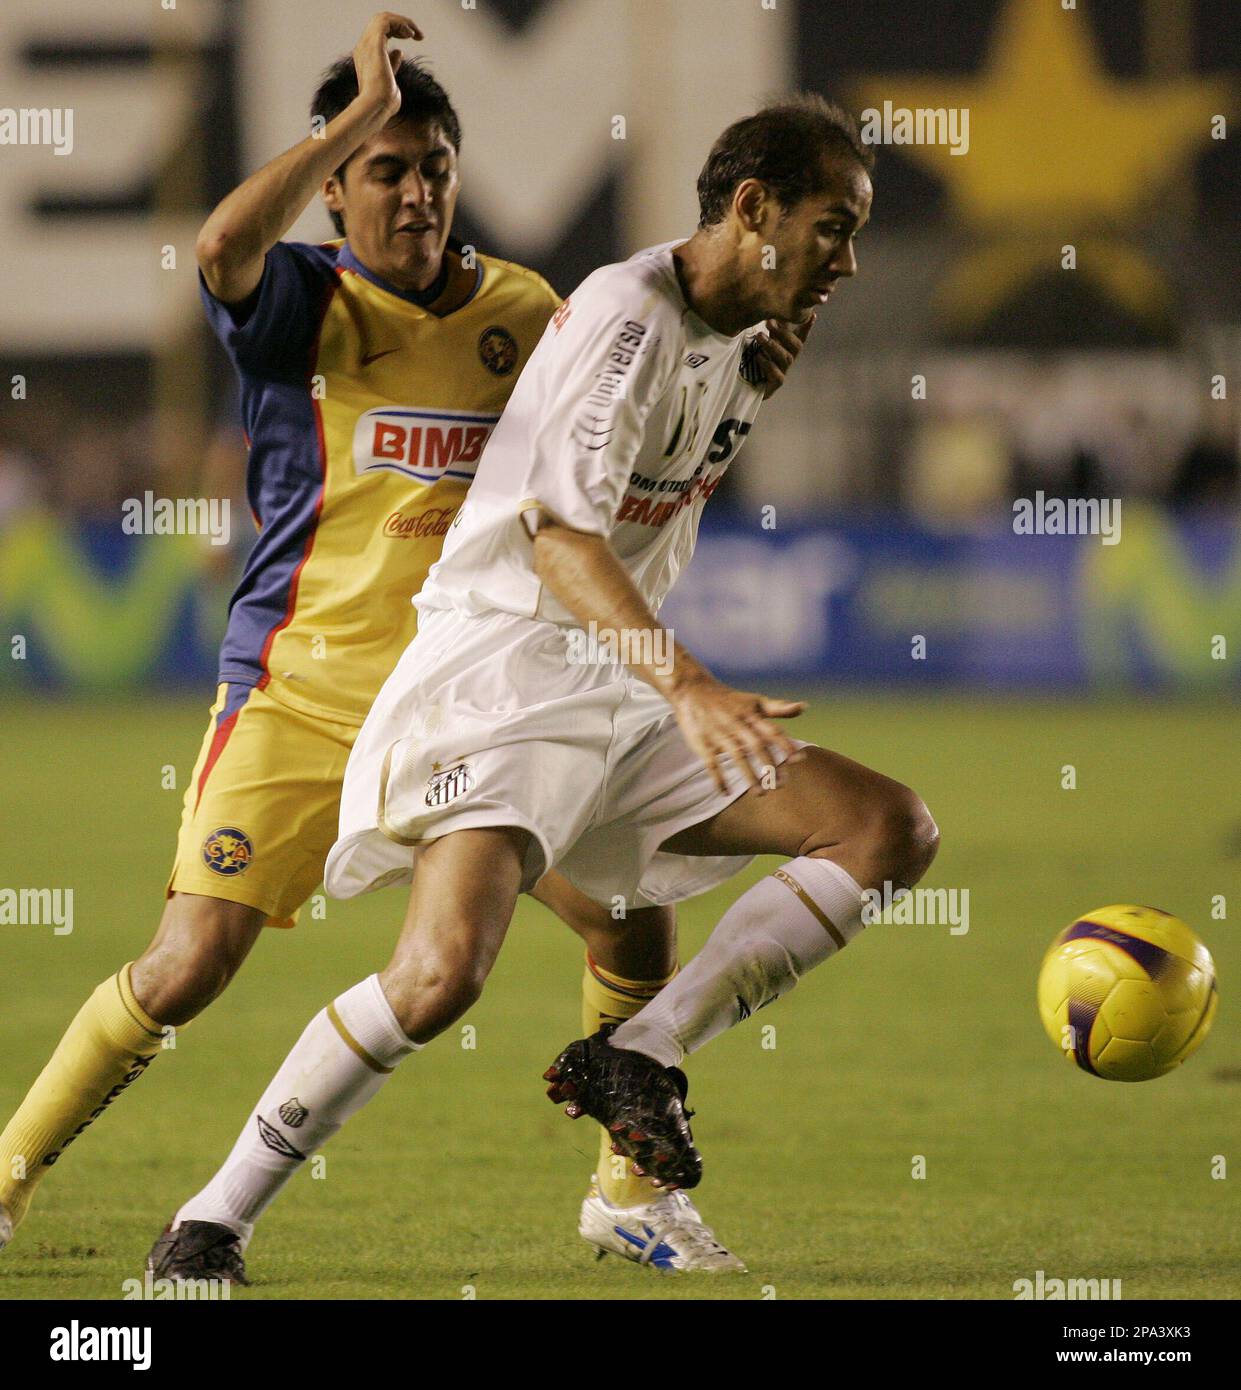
723,725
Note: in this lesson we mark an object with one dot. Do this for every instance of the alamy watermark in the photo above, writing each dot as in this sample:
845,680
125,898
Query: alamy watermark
920,125
78,1343
626,646
37,907
896,905
149,515
1041,515
38,125
1040,1287
149,1288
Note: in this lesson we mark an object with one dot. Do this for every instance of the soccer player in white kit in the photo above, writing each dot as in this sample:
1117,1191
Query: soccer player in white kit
542,717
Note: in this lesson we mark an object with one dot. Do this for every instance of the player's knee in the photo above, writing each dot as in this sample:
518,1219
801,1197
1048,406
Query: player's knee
895,841
434,992
905,838
198,949
173,986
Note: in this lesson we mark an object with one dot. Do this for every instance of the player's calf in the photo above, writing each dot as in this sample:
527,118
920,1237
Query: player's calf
459,908
849,829
115,1036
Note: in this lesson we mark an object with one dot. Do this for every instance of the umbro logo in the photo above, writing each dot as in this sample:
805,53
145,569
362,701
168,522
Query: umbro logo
276,1141
369,357
696,359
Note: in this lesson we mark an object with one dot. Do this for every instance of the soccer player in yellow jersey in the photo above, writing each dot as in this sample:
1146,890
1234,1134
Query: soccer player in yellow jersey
372,370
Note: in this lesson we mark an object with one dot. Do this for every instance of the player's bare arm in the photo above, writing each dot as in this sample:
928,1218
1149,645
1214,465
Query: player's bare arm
719,723
238,235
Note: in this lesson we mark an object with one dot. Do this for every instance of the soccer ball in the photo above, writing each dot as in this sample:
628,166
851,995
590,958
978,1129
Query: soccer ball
1127,992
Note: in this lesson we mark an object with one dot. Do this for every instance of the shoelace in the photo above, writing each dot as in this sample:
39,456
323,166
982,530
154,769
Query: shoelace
685,1225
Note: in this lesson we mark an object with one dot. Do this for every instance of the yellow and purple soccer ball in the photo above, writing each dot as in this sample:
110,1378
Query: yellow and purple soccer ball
1127,993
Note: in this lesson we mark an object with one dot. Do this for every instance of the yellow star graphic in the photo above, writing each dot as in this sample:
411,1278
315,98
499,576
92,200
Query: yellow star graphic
1058,150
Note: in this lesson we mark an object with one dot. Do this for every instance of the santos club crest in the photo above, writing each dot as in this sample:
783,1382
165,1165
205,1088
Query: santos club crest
446,786
293,1113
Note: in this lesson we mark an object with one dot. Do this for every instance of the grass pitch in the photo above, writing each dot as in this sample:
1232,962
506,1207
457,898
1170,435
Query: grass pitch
914,1042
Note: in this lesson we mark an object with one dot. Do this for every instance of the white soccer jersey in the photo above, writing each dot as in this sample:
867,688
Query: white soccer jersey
625,418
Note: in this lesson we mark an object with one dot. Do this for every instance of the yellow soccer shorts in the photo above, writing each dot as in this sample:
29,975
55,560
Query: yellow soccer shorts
262,806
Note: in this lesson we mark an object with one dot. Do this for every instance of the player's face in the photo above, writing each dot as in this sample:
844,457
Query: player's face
813,242
397,198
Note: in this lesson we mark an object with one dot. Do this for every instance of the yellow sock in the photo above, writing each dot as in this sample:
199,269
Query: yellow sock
608,998
108,1045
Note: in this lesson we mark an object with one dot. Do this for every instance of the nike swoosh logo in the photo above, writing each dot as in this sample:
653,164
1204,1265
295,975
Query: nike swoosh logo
370,357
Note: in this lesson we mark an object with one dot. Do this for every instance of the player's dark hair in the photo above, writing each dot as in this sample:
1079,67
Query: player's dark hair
784,146
422,99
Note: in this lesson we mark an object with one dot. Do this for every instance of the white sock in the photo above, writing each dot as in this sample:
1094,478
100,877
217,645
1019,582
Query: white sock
767,940
342,1059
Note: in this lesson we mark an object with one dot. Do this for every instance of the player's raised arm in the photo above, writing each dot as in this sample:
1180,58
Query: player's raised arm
235,239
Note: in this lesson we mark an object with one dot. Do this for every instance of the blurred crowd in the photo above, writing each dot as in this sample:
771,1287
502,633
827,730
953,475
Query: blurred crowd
83,460
842,440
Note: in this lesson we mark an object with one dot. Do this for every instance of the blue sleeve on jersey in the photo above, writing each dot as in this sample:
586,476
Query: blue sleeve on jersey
270,333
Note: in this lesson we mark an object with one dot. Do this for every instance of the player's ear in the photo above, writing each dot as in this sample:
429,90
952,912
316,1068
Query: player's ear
751,203
332,195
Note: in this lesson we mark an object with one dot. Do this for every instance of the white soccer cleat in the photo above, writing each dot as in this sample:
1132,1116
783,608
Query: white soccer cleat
668,1234
6,1226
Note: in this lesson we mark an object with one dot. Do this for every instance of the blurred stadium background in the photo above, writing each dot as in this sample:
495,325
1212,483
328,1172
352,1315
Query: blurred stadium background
892,513
1091,127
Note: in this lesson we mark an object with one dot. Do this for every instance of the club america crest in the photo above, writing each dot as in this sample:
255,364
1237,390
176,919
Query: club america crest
228,851
446,786
498,350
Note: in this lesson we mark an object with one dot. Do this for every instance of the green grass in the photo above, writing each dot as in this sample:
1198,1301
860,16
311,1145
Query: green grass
913,1042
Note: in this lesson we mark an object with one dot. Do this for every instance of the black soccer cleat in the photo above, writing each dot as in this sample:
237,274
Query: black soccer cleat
198,1250
638,1102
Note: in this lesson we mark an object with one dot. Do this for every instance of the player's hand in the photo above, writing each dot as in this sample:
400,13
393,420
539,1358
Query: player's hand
376,65
778,351
721,724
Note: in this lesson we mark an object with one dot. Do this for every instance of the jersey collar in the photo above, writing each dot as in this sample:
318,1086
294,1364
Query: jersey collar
422,299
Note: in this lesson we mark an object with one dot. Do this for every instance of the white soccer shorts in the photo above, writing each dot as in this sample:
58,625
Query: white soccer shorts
484,722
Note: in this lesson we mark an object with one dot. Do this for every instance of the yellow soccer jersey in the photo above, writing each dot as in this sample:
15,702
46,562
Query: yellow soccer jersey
365,416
